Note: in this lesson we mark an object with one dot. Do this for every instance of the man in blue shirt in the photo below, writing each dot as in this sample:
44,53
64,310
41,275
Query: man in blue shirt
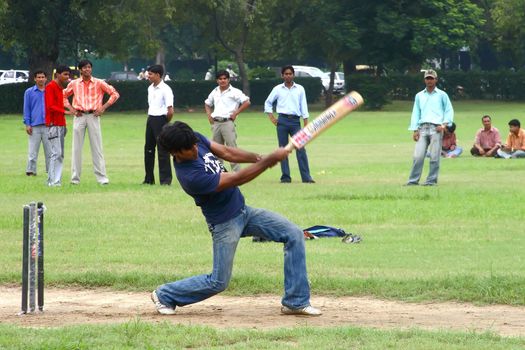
34,120
202,176
431,114
291,107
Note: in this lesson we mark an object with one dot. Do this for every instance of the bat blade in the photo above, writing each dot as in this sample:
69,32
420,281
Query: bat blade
325,120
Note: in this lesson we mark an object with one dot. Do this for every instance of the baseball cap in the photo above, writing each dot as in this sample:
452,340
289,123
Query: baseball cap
431,73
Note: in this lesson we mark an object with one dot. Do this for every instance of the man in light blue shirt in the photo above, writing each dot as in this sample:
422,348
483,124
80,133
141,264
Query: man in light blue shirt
290,98
431,114
35,123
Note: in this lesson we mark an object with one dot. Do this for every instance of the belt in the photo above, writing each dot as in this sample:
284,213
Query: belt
288,116
220,120
429,124
156,116
87,112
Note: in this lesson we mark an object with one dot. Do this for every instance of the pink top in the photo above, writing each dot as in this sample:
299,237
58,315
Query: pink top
487,139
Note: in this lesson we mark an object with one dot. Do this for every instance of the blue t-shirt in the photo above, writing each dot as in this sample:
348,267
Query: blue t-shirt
199,178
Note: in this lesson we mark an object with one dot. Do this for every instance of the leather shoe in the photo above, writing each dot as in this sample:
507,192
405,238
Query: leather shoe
311,181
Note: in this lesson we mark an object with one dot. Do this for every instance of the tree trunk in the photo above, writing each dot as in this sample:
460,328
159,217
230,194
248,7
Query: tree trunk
329,95
243,74
42,61
161,58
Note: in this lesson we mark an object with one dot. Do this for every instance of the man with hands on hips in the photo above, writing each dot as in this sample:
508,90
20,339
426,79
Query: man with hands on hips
88,93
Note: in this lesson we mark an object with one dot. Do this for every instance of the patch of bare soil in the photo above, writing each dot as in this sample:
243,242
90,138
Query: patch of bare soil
65,307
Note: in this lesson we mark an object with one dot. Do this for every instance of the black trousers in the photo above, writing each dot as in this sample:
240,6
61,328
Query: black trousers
153,128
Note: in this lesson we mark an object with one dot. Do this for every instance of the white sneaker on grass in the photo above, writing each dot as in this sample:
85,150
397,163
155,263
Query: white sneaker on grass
305,311
161,308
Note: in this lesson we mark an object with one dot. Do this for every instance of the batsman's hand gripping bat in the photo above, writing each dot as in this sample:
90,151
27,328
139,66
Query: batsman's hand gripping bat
334,113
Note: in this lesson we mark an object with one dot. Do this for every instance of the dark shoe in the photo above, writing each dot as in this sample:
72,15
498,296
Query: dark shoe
148,182
311,181
411,184
29,173
286,181
165,183
430,184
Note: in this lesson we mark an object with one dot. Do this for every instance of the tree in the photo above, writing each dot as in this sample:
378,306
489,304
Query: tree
37,30
402,34
509,26
45,31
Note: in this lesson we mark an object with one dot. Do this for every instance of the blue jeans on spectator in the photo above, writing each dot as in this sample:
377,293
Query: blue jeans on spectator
429,140
251,221
515,154
456,152
289,125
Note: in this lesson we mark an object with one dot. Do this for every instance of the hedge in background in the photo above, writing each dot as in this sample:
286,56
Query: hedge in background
134,94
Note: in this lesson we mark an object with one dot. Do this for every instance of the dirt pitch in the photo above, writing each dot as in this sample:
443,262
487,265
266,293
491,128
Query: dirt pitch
64,307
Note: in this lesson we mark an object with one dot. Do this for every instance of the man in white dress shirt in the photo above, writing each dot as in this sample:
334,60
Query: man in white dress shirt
227,103
160,112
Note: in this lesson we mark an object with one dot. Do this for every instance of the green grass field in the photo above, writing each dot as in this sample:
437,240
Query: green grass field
462,240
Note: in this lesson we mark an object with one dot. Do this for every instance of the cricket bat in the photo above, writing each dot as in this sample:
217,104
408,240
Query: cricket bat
325,120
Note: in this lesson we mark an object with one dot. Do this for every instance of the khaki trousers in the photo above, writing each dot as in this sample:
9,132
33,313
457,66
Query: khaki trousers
224,133
92,124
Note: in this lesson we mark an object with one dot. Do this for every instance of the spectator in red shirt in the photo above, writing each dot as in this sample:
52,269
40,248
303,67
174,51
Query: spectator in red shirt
56,124
449,147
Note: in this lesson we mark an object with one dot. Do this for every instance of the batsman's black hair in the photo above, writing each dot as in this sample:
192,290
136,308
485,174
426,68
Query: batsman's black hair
515,122
290,67
178,136
84,63
221,73
486,116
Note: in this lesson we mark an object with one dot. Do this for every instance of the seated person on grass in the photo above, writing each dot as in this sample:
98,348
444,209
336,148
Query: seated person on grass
514,147
449,148
487,141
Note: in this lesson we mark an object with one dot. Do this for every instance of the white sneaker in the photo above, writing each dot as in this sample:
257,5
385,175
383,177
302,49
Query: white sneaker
161,308
305,311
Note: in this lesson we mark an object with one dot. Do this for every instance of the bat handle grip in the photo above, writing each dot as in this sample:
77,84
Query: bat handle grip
289,147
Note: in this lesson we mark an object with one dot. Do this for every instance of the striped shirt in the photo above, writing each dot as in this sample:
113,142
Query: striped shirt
88,95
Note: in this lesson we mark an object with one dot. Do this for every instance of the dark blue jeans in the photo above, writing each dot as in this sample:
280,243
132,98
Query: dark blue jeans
287,126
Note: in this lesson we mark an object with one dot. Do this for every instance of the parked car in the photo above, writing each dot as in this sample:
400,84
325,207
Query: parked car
339,82
313,72
120,76
14,76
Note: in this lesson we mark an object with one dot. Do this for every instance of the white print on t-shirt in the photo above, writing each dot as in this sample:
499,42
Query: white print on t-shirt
212,164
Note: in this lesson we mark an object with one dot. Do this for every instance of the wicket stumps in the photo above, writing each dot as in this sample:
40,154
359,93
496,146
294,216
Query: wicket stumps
33,257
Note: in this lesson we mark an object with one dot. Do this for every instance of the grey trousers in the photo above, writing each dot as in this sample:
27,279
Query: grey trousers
39,136
431,140
225,134
92,124
56,157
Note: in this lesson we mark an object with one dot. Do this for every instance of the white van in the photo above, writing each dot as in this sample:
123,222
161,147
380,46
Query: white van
14,76
313,72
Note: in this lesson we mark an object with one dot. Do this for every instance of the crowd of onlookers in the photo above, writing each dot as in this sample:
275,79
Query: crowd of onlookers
487,142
